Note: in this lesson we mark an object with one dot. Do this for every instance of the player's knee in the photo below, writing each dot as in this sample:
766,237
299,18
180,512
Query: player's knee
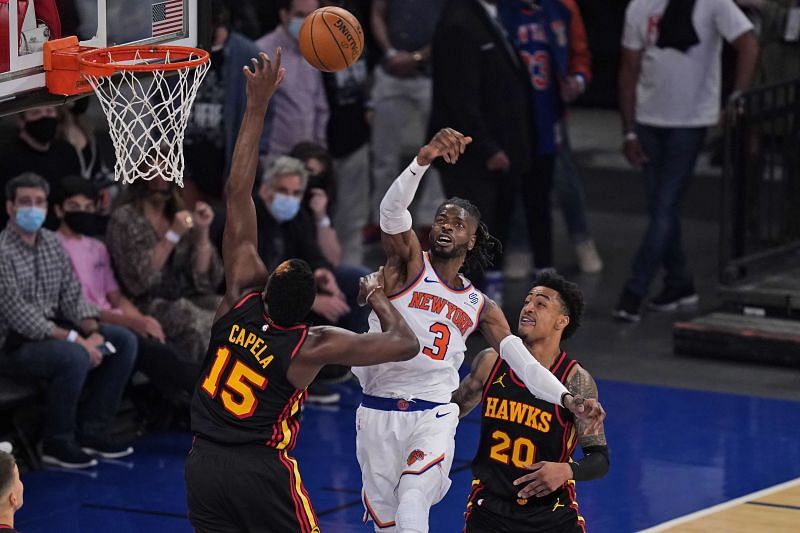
412,513
432,485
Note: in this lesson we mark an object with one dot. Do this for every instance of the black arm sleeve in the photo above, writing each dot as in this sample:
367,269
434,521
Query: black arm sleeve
594,464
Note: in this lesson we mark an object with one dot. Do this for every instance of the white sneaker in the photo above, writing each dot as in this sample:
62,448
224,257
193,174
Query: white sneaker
588,259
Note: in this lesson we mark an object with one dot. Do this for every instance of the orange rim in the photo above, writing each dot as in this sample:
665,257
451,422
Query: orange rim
107,61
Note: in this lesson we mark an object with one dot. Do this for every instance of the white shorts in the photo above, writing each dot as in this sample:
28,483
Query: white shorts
393,444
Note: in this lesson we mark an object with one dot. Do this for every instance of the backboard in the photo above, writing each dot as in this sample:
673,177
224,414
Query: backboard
26,24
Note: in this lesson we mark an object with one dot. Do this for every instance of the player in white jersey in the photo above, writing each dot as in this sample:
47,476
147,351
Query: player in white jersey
406,423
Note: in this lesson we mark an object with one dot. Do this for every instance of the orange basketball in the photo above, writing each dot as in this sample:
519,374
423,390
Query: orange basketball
331,39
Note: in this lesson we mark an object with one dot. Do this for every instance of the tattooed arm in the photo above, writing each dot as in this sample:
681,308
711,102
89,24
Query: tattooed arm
468,394
595,461
581,383
547,476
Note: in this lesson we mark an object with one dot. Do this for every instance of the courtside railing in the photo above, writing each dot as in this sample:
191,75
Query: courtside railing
761,181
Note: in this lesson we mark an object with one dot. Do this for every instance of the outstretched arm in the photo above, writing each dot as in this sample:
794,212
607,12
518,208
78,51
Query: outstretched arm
400,243
243,268
538,379
332,345
469,393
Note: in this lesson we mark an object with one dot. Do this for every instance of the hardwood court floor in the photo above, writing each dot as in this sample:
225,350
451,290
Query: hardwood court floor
776,509
673,452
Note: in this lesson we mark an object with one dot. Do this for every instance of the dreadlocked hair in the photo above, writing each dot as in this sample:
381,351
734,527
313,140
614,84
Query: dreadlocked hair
486,246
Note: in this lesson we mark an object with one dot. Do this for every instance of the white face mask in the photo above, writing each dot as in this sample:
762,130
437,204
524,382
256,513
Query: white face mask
294,27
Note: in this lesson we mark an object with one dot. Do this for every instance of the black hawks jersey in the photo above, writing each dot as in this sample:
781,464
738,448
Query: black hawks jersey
243,395
517,429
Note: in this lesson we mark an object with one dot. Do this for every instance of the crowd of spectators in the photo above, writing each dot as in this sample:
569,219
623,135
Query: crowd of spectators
98,281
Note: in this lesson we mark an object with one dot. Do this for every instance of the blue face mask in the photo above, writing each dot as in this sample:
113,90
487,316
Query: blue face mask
284,207
294,27
30,219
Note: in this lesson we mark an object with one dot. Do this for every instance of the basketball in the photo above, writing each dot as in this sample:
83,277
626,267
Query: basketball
331,39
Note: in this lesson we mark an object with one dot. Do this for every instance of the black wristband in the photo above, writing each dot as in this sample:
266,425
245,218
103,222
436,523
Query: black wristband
563,404
594,464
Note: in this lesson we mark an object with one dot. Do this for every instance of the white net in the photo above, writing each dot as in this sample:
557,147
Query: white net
147,113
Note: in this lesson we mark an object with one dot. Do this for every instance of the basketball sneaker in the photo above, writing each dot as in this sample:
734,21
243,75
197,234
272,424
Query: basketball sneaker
321,394
66,455
105,448
588,258
627,308
669,299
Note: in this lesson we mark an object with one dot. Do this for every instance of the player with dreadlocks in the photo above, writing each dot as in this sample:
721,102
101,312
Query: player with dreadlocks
406,423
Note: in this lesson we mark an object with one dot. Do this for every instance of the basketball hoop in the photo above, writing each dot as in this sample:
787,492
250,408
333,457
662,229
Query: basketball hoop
146,93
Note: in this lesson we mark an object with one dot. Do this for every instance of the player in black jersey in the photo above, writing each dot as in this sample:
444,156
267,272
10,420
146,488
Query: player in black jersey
524,472
239,474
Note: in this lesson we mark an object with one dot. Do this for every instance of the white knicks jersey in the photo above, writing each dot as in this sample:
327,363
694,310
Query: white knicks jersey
442,318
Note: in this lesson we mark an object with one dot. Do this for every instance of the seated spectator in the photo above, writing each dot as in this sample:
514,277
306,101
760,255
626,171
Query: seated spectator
320,196
36,149
287,231
166,263
11,489
171,371
50,332
95,152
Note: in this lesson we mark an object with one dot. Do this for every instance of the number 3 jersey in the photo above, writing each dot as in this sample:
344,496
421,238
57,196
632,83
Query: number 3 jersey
243,395
517,429
442,318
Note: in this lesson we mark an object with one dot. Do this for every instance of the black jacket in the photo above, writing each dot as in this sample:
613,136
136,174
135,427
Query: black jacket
481,87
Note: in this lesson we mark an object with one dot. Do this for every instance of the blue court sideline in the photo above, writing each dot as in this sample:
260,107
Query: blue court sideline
673,452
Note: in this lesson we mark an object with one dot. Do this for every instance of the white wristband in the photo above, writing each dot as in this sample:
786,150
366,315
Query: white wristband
72,336
324,222
172,237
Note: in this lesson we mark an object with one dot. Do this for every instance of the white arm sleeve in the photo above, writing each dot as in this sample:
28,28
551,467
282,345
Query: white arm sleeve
395,217
539,380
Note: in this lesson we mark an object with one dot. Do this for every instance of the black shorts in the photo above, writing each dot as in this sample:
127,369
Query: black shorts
491,515
249,488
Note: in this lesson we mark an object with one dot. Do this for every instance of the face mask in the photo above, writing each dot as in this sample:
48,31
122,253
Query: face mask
42,130
294,27
284,207
81,222
30,219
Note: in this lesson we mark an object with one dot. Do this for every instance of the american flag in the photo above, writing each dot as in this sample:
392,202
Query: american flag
167,17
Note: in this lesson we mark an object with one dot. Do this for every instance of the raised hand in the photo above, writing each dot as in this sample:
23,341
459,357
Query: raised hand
182,222
264,78
368,284
589,411
318,203
203,215
447,143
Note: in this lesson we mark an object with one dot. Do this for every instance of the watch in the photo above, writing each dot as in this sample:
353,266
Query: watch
417,56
